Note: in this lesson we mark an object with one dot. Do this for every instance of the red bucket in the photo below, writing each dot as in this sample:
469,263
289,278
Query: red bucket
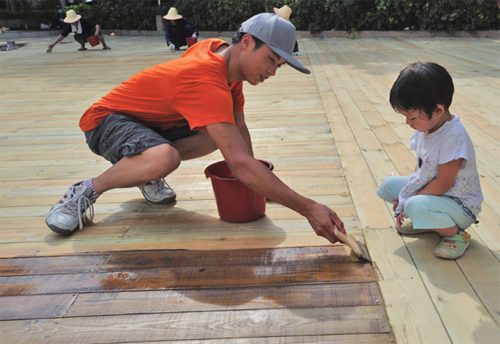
235,201
93,40
191,40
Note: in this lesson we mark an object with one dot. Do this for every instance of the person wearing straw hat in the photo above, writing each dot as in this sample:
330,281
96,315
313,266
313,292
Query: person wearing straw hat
82,28
184,109
285,12
177,29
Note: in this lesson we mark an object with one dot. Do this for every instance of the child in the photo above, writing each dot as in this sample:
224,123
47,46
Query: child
443,195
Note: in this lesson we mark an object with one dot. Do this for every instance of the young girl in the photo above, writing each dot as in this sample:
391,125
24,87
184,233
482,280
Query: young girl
443,195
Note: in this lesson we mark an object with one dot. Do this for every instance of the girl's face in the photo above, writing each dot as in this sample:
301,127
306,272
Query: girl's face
419,120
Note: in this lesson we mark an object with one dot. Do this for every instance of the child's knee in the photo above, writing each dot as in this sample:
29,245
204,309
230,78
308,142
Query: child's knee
386,191
417,206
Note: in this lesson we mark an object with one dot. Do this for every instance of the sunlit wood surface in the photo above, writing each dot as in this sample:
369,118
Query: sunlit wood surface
178,274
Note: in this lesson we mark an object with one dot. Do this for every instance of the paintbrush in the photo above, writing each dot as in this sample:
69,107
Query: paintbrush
358,248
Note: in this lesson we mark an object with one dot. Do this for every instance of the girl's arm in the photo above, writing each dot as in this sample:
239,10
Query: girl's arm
444,180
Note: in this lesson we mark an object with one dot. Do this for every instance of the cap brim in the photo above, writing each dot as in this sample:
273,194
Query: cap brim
290,60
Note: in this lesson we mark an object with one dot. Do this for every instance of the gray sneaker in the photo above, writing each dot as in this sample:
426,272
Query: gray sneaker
158,192
70,212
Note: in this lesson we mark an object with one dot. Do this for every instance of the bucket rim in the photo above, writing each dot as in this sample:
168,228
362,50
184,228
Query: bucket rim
208,174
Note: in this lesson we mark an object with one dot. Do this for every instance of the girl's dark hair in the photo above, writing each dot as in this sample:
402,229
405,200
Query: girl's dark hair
239,35
422,86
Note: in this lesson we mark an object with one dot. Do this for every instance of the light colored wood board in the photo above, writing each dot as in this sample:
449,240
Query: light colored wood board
327,339
482,270
369,208
342,206
487,229
66,247
185,193
131,229
459,308
227,299
402,289
35,307
174,220
205,325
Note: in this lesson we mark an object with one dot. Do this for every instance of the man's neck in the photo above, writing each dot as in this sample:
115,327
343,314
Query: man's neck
229,54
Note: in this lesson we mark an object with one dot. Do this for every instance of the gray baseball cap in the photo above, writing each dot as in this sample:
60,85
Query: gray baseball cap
277,33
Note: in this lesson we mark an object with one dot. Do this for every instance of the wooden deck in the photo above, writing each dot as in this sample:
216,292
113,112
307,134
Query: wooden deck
177,274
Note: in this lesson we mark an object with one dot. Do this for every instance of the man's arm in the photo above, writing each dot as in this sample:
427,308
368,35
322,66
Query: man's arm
257,177
444,180
239,118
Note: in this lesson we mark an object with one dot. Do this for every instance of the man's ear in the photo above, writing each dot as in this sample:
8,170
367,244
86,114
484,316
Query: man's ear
439,110
246,42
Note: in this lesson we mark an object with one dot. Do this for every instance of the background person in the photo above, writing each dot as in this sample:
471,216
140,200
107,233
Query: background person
177,30
285,12
82,28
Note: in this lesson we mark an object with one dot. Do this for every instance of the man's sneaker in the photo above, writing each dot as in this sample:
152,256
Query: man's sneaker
407,228
453,247
158,192
70,212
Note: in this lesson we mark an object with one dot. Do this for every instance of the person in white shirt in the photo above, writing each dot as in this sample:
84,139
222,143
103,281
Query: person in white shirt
444,194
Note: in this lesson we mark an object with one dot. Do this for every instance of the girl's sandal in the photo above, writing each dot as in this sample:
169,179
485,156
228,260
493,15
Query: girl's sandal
453,247
407,228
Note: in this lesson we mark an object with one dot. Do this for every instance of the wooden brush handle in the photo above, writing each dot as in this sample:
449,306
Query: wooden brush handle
349,240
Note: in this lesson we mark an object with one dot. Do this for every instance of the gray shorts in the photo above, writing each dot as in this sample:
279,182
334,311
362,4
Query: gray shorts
119,136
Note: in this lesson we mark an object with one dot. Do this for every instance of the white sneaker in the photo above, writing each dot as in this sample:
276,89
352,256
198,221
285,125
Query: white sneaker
158,192
297,53
66,216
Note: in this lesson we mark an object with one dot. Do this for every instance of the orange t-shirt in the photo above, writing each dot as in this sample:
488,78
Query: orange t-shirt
190,90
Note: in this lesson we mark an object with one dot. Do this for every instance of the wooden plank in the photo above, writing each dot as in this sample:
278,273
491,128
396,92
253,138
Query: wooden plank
205,325
459,308
119,261
226,299
35,307
190,277
402,289
327,339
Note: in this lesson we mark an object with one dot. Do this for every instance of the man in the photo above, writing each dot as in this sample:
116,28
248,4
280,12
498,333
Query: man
184,109
83,29
177,29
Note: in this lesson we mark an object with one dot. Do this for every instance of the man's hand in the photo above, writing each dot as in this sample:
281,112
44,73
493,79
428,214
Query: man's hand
322,219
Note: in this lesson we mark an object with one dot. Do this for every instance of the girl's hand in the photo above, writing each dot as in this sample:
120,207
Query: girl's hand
399,219
395,202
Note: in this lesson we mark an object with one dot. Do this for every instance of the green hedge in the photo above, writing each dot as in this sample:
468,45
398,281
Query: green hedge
311,15
36,15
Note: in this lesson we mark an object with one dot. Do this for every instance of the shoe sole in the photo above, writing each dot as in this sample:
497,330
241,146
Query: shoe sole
420,231
62,231
163,201
446,255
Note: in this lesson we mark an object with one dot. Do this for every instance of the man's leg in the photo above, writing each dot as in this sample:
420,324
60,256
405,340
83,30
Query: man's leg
80,39
154,163
103,42
140,156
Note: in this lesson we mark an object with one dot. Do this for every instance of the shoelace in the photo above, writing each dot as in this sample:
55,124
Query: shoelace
159,184
73,208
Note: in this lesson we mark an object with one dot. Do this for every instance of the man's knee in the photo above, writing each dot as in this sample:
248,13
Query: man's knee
160,161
